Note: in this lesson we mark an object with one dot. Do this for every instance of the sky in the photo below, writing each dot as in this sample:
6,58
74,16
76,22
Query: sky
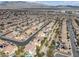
54,3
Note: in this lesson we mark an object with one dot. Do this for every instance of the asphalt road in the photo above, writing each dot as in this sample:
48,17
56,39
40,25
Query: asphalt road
72,37
27,40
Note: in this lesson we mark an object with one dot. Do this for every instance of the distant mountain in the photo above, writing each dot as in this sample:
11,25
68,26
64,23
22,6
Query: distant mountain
24,4
21,4
71,6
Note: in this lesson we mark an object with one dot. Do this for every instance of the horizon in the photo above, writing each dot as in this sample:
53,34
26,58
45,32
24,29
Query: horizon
51,3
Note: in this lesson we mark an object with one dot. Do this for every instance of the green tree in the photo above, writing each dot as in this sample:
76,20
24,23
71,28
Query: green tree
20,52
50,52
37,50
2,54
78,42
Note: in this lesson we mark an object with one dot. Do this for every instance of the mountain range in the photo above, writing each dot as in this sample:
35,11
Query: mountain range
24,4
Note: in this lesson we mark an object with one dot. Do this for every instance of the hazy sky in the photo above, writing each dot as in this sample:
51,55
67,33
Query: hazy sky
54,3
75,3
